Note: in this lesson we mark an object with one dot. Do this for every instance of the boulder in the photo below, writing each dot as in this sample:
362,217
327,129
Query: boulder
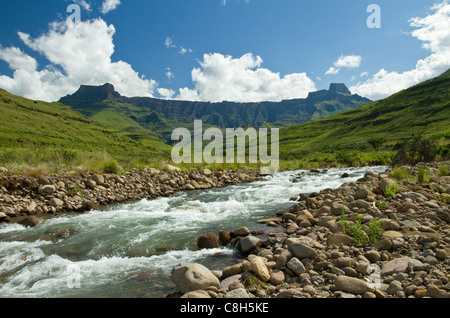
338,239
47,189
98,178
208,240
248,244
398,265
258,266
30,221
302,251
189,277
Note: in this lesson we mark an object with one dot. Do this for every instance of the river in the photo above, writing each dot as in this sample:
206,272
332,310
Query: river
129,250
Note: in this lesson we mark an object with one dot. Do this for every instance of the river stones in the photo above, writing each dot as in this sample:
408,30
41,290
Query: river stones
351,285
191,276
258,266
248,244
302,251
208,240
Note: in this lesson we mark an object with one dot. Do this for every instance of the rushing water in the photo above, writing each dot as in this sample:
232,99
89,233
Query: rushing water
129,250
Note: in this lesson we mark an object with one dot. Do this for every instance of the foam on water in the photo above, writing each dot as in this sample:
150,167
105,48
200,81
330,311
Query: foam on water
130,249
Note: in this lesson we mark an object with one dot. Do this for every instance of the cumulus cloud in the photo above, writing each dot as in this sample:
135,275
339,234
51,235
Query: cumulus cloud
77,56
349,61
434,33
109,5
224,78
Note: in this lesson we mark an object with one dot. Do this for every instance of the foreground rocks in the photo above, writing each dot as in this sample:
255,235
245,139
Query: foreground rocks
310,255
26,198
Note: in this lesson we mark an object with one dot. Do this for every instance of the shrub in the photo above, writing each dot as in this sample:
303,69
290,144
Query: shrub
400,173
422,175
356,230
382,205
109,166
391,190
416,150
443,171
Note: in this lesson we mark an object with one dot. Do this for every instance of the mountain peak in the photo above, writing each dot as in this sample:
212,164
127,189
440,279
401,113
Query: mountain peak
336,88
92,93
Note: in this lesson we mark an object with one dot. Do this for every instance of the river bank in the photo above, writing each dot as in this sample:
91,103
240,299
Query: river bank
386,235
27,199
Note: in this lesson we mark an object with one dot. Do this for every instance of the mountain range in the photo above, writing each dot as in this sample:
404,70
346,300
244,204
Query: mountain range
160,117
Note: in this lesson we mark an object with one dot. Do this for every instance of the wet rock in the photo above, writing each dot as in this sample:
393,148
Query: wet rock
208,240
248,244
30,221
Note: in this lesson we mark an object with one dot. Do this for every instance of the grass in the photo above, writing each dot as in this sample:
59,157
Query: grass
422,110
422,175
40,138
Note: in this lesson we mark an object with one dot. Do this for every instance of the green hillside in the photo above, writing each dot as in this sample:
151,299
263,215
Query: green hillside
34,133
422,110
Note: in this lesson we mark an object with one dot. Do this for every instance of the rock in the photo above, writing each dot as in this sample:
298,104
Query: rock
207,172
242,231
360,193
338,239
435,292
87,205
336,208
232,270
351,285
283,258
188,187
228,281
441,254
224,237
384,183
389,225
384,244
90,184
302,251
55,202
208,240
373,256
398,265
237,293
394,287
443,215
248,244
344,262
405,206
296,266
30,221
191,276
196,294
303,215
98,179
47,189
258,266
277,277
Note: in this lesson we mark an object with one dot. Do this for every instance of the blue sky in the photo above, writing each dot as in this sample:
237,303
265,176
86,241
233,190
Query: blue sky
214,50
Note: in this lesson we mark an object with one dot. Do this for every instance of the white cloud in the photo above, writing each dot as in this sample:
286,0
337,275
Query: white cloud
77,56
224,2
169,73
109,5
242,79
434,32
166,93
348,61
83,4
169,42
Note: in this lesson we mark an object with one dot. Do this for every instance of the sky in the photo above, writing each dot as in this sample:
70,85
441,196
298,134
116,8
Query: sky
221,50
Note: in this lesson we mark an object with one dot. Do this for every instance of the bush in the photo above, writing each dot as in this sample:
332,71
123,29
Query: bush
443,171
391,190
400,173
356,230
110,166
416,150
422,175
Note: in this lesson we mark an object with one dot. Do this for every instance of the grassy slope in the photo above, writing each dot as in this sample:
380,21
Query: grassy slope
33,132
421,110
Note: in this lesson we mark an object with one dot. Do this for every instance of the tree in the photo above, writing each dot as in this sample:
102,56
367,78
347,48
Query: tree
377,142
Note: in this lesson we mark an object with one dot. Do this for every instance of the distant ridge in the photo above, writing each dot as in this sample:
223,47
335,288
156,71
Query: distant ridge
159,117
